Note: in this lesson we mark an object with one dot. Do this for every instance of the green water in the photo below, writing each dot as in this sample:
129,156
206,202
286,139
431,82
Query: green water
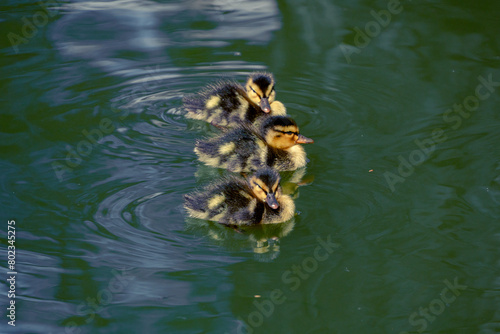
398,228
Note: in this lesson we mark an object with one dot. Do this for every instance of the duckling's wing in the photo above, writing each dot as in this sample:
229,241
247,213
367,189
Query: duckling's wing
228,201
218,103
189,200
242,208
251,214
213,201
238,150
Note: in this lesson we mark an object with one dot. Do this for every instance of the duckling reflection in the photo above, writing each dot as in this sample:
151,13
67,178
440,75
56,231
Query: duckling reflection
291,181
263,240
235,201
246,149
266,239
228,104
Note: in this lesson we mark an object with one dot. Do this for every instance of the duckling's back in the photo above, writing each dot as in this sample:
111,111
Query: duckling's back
238,150
226,104
228,202
223,104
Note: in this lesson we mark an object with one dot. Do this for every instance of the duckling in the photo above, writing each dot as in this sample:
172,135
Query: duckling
227,103
245,148
239,202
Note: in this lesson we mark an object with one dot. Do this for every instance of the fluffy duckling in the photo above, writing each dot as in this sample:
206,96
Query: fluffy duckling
246,149
228,104
238,202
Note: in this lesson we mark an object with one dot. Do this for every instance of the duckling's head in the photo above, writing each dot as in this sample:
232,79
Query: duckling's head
282,132
260,89
265,184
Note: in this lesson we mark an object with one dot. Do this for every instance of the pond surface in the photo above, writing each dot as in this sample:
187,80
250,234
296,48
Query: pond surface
397,228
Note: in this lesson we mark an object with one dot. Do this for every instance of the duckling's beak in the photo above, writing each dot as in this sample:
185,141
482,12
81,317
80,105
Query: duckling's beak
264,105
271,201
304,140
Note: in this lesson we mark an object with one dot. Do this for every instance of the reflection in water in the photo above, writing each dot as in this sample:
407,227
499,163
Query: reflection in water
292,180
263,240
110,34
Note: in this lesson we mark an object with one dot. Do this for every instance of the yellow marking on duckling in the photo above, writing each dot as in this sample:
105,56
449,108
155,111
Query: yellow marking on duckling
269,89
245,194
242,109
282,137
288,207
218,217
227,148
197,214
262,152
208,160
278,109
271,137
198,114
287,128
276,185
211,161
212,102
287,211
216,201
255,89
257,187
216,112
262,145
234,163
297,156
252,205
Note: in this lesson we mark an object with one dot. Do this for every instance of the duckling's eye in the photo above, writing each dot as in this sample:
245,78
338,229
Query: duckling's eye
287,132
260,187
253,90
271,92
